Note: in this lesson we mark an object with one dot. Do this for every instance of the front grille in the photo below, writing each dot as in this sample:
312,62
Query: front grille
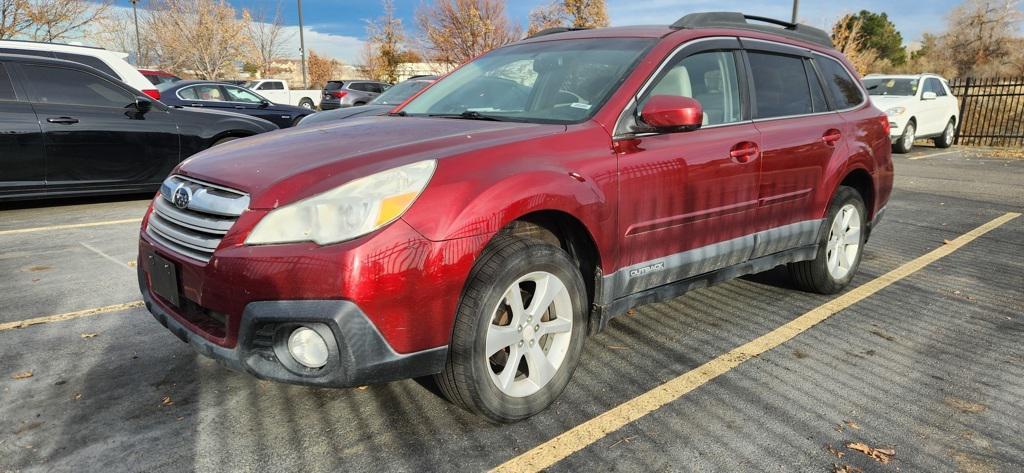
191,216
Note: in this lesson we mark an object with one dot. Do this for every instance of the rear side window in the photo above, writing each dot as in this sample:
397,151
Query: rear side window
842,89
817,93
360,86
780,85
74,87
333,85
88,61
6,87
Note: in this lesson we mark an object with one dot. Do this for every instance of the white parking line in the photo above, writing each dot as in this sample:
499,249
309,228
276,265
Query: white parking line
69,226
933,155
111,258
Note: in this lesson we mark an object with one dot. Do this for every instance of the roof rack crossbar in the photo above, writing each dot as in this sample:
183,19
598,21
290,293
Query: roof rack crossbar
738,20
555,30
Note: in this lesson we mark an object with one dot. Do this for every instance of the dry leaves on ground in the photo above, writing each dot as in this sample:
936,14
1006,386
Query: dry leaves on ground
89,335
965,406
881,455
836,468
167,401
853,425
22,375
833,451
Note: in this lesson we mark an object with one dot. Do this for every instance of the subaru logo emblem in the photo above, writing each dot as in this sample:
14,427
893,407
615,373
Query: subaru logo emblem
181,197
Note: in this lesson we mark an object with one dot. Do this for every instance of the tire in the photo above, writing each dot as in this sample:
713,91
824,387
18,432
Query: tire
358,104
307,104
948,135
224,140
823,274
472,378
906,141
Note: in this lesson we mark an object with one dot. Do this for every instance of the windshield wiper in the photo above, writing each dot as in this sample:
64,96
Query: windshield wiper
468,115
400,113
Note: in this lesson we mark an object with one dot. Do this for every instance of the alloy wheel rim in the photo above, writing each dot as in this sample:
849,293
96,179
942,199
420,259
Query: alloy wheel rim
949,133
843,243
529,334
908,137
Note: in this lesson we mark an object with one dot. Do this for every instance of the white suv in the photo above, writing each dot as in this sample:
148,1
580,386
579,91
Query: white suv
918,106
109,62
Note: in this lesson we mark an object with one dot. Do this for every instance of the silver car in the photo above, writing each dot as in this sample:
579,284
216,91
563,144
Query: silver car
350,93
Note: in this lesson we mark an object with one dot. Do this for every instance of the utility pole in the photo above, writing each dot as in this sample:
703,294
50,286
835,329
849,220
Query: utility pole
302,49
796,7
138,43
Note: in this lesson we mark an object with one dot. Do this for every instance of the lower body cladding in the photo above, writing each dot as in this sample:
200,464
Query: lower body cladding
357,354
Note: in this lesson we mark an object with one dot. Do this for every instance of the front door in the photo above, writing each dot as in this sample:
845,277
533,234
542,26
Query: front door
245,101
22,160
800,139
94,135
687,199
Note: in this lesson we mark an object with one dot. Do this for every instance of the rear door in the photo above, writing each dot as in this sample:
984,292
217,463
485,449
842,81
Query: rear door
801,138
93,134
22,158
687,199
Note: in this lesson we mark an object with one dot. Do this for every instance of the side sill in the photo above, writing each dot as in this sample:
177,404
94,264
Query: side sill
602,314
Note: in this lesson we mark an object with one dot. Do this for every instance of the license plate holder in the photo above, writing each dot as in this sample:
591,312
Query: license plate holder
163,276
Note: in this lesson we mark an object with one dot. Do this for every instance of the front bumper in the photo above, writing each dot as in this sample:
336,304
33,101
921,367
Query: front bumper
359,355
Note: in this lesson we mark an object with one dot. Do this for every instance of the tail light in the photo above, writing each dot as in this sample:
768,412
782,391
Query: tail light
885,124
155,94
338,94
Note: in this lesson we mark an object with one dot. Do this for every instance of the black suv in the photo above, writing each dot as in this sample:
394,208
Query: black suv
70,129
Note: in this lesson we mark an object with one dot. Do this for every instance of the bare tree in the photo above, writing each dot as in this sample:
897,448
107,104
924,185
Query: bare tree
48,20
569,13
267,39
116,32
981,34
456,31
384,48
201,37
846,38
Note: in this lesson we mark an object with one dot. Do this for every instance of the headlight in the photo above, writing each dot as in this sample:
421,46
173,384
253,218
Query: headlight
348,211
895,111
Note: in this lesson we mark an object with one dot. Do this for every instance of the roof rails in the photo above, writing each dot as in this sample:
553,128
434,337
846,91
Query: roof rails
559,29
800,32
50,42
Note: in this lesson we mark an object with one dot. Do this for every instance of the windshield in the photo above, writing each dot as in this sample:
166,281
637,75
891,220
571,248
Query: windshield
884,86
400,92
546,82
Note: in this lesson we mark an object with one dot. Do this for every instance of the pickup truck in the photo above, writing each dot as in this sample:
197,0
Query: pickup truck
277,91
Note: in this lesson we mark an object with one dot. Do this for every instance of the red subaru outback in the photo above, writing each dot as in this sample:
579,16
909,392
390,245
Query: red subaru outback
486,227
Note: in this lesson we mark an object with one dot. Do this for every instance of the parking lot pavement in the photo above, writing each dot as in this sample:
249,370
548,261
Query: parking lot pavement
931,366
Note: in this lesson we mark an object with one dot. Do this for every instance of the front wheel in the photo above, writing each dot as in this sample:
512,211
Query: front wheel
946,140
839,247
518,332
906,141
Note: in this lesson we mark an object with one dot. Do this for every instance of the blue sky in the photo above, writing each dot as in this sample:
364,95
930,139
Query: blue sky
337,27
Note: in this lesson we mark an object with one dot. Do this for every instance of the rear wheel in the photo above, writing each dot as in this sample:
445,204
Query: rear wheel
518,332
906,141
307,104
224,140
357,104
839,247
946,140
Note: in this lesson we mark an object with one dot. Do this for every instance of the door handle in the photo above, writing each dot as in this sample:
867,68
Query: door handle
744,152
831,137
239,107
62,120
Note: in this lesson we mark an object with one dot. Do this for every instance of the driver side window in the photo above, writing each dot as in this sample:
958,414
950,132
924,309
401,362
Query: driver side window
708,77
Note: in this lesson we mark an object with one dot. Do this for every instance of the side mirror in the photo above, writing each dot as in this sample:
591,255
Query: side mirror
672,113
928,96
143,106
264,103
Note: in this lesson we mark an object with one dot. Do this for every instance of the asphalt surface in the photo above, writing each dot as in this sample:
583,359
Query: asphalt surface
931,367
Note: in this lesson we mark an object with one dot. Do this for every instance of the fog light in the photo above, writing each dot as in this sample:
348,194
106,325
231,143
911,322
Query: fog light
307,347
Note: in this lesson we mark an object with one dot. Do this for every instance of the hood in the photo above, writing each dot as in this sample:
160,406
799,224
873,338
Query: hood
224,114
281,167
342,113
885,102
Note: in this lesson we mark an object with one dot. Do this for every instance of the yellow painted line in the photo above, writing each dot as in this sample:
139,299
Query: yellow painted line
575,439
69,226
933,155
70,315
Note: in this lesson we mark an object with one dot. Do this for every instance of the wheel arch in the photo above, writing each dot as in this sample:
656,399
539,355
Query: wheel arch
861,181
